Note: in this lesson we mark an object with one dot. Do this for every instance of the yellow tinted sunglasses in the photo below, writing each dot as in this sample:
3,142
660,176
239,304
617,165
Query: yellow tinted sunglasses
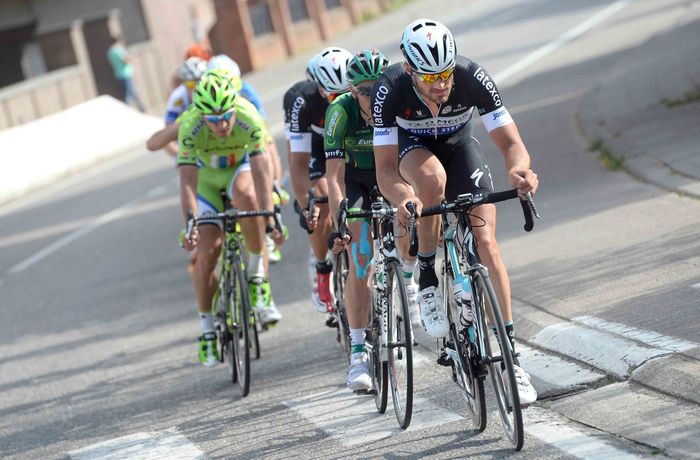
432,77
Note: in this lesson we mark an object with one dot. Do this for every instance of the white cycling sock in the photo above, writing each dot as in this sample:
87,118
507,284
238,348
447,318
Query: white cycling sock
256,266
408,266
206,322
357,339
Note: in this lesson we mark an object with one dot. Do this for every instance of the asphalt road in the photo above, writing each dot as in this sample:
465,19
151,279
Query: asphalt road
98,327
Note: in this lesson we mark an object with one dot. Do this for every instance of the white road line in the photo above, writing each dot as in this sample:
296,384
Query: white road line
66,240
554,431
544,102
561,41
352,420
646,337
164,445
695,286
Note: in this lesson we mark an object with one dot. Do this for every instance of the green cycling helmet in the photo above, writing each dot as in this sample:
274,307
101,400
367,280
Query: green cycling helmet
215,93
366,65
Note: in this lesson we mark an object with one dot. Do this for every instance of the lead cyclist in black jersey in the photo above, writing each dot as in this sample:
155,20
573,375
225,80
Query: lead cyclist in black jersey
422,111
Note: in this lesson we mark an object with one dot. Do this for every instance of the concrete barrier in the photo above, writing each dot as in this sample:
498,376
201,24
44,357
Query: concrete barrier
42,151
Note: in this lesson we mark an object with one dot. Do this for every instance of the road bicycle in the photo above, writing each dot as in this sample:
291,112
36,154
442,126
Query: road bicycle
389,339
477,345
234,318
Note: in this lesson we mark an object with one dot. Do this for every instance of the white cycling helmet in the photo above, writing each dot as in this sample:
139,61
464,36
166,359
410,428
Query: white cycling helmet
223,62
192,69
330,67
310,69
428,46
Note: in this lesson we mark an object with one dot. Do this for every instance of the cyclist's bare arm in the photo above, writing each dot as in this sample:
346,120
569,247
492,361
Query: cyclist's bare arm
335,172
508,140
188,196
392,186
164,139
299,172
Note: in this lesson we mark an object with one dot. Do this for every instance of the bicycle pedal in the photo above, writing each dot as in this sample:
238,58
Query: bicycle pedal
363,392
444,359
332,322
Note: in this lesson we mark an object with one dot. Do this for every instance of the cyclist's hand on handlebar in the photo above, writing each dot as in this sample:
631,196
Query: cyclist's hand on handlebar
312,218
403,215
339,245
525,180
188,244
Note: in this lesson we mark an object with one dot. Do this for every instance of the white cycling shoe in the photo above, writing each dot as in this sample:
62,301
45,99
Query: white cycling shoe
526,391
358,378
432,312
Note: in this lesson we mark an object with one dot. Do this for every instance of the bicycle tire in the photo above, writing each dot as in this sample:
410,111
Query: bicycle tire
340,275
400,351
465,373
501,371
377,366
254,339
240,311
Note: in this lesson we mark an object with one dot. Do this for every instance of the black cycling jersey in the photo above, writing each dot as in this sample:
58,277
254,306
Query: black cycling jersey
304,113
397,105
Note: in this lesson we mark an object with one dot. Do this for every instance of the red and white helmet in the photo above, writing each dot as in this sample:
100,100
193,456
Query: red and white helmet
330,67
428,46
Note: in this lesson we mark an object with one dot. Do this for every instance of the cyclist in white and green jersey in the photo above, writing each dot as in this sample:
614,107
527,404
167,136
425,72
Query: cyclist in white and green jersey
216,138
351,174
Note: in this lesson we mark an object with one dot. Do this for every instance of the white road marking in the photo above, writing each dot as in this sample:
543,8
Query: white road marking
695,286
555,372
561,41
554,431
164,445
650,338
79,233
66,240
616,355
352,420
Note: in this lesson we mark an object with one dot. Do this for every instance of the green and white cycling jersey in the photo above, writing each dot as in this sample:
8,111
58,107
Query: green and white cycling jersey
219,159
347,135
199,146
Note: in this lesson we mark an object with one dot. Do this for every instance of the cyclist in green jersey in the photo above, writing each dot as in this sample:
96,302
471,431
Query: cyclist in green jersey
349,149
218,135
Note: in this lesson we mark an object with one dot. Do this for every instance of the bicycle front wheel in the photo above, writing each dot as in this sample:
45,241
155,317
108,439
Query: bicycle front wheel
377,366
499,360
400,362
465,358
340,275
240,313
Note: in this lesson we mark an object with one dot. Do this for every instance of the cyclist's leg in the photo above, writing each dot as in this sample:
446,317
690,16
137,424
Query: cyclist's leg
423,170
204,275
484,227
322,230
244,198
357,291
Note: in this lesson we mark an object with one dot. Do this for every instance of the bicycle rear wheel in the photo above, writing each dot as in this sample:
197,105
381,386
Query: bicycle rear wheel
465,359
400,360
240,314
377,367
499,360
